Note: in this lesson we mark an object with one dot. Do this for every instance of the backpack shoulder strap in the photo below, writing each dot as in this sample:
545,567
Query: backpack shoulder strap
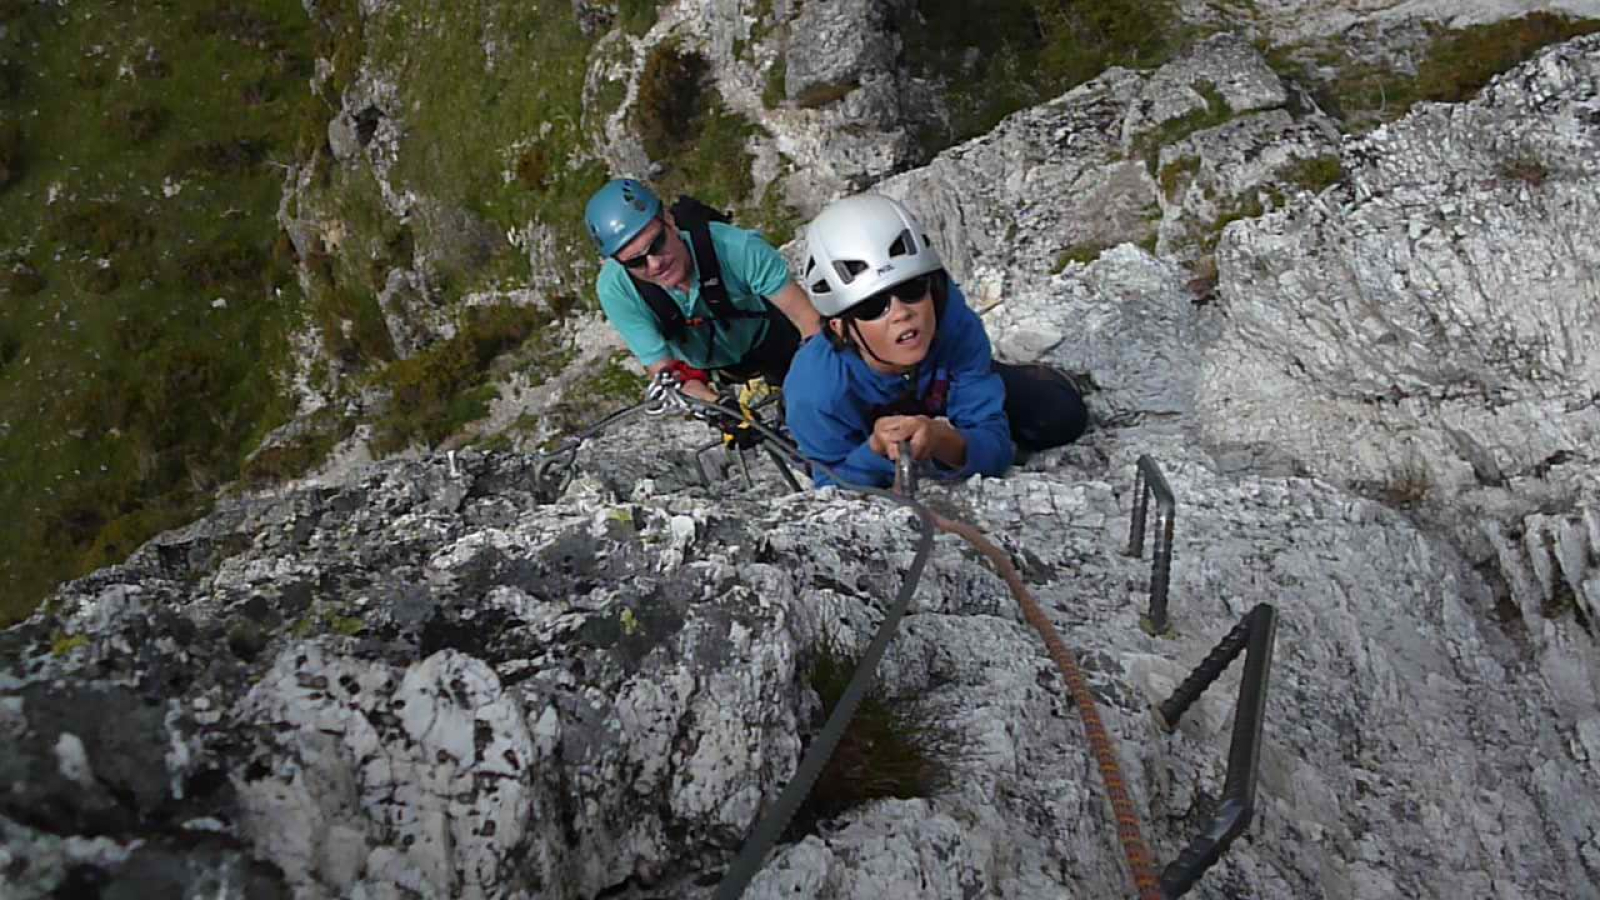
696,217
669,318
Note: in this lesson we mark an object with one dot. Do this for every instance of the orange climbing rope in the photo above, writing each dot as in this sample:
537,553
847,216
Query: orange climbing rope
1140,863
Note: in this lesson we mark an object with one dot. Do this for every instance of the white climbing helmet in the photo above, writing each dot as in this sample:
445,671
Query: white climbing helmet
859,246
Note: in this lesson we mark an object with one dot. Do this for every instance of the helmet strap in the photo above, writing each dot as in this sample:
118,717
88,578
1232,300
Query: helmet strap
861,342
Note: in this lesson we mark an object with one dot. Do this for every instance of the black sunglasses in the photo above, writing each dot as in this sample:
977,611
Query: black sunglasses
656,248
874,307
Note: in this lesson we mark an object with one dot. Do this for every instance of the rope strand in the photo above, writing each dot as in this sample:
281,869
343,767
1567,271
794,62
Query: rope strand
665,394
1140,863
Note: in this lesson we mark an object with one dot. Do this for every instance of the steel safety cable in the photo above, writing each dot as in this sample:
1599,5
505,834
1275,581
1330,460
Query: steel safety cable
752,855
1140,863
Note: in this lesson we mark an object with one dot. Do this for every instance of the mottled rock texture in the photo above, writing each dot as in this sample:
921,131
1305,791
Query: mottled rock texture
420,680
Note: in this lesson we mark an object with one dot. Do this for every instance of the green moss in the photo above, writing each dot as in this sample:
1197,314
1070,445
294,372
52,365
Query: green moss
1314,174
303,627
62,644
1078,253
1148,145
349,626
1176,175
1001,56
773,89
439,390
893,747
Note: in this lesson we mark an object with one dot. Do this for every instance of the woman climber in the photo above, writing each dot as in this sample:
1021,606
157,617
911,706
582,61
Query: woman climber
905,359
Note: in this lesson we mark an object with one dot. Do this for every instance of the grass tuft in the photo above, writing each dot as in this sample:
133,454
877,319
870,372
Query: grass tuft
444,387
1455,66
1216,111
1524,167
893,747
613,386
1176,175
774,88
296,456
684,125
1314,174
1001,56
11,155
1078,253
637,16
819,95
671,91
62,644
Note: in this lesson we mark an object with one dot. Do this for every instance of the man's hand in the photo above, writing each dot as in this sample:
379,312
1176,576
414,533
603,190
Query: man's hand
928,437
700,391
692,380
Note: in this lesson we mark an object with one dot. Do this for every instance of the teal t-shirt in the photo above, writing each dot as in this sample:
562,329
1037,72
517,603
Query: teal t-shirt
751,269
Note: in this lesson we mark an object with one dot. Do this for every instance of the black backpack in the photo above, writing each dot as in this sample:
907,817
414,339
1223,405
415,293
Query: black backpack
695,217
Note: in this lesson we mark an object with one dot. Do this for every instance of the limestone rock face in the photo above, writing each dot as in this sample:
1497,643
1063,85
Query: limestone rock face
1163,160
425,682
1288,21
836,113
835,45
1432,322
426,679
395,737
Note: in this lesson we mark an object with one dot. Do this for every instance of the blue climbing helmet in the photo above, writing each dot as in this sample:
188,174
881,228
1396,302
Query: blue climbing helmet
618,212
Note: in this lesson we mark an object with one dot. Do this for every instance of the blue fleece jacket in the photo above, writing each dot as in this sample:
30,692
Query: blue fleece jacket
831,394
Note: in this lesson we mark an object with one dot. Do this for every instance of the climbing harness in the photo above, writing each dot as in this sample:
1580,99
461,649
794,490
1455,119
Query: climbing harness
738,433
1252,637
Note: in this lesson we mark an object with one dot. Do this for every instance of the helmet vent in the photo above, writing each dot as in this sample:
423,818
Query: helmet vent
848,269
904,244
820,286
